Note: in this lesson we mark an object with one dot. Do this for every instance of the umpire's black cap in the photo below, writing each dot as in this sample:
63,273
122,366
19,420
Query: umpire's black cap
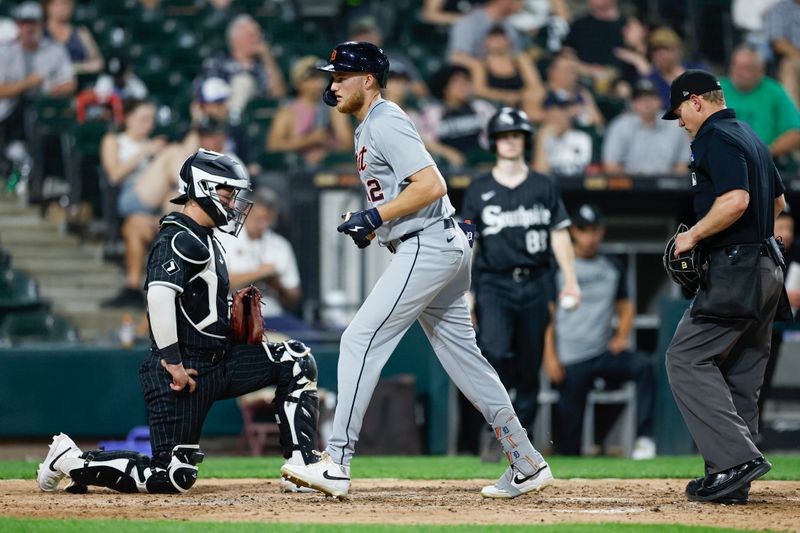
689,83
587,215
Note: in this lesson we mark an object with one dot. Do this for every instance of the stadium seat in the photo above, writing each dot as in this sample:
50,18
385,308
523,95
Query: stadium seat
113,245
17,291
272,161
261,109
610,107
84,14
39,325
117,9
625,424
623,430
88,137
5,260
54,113
258,420
112,38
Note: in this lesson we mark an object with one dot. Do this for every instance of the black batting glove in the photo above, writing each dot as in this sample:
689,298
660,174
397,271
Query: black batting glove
360,226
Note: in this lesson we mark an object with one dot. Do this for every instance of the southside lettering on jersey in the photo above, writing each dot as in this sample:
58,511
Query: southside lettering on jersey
496,219
514,225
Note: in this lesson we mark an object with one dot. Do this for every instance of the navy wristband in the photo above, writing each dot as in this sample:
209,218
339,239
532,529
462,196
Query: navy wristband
373,217
171,354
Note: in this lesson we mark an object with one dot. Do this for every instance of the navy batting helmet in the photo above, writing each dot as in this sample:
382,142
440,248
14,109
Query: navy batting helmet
356,56
508,119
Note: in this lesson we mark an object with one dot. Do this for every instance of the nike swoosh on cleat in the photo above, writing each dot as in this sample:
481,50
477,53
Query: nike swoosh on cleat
520,480
334,478
53,462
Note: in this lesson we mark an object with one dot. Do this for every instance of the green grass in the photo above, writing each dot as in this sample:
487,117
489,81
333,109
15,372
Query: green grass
785,467
142,526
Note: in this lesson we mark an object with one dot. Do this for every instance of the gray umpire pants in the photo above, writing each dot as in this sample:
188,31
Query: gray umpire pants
716,368
426,281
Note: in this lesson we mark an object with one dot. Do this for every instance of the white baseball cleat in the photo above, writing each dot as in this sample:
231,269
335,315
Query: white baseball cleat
512,484
287,486
49,474
324,475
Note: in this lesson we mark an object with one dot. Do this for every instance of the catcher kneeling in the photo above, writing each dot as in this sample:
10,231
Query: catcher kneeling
200,354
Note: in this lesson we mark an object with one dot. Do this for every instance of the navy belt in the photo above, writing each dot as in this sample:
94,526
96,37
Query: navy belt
392,245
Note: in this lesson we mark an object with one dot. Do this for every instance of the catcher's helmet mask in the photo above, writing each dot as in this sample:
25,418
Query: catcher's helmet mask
508,119
686,269
355,56
200,176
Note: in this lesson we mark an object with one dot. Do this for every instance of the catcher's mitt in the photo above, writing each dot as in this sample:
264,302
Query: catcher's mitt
247,325
688,268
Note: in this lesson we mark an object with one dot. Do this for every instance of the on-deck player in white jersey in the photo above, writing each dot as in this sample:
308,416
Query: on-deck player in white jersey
426,280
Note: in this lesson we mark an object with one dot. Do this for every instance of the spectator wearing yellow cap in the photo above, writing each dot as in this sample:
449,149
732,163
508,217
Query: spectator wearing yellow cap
666,56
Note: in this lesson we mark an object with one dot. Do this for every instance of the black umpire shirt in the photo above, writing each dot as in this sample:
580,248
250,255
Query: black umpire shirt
728,155
202,304
513,225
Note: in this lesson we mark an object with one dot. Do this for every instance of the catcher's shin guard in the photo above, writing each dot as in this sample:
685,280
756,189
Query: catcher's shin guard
296,400
518,448
124,471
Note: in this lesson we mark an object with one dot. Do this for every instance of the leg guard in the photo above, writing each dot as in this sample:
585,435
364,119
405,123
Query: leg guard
296,401
118,470
125,471
518,448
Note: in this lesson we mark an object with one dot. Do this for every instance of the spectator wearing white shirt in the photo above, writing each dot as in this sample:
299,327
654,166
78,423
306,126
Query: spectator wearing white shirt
639,143
30,66
262,257
561,150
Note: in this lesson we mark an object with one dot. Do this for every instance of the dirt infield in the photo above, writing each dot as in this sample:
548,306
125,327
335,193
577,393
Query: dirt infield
773,504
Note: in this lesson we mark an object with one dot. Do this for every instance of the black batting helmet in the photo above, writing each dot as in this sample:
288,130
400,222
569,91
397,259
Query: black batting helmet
356,56
509,119
200,176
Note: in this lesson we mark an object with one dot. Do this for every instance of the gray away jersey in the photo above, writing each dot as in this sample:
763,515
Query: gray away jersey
389,150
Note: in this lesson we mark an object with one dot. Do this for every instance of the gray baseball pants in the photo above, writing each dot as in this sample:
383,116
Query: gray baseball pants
716,368
426,281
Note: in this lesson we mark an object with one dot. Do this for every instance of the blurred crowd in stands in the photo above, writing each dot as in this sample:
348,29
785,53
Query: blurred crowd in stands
100,101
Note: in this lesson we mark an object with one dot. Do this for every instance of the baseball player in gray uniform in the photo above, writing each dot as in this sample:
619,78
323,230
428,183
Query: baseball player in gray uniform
427,279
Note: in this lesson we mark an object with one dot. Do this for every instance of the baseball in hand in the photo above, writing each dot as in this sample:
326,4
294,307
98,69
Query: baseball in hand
569,302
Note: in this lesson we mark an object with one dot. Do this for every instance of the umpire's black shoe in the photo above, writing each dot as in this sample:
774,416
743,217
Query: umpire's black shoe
738,497
721,484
